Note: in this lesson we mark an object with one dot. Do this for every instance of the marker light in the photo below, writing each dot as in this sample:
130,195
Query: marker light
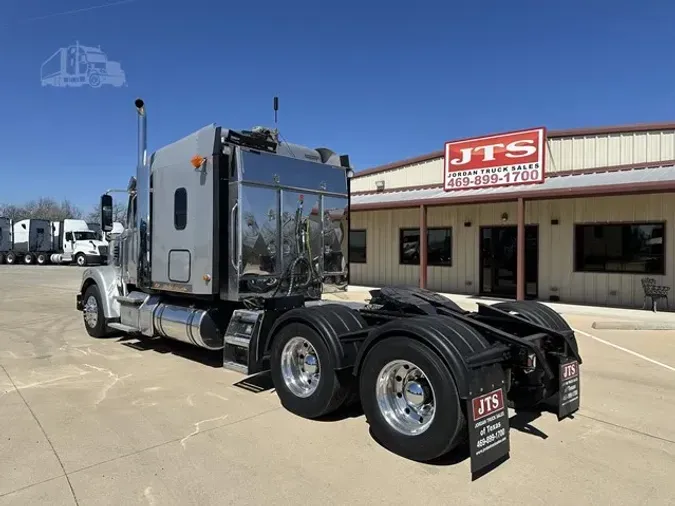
197,161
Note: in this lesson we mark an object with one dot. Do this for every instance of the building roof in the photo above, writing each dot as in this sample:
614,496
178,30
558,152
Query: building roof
551,134
632,181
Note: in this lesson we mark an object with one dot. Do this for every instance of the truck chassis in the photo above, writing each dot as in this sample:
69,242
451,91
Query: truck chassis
428,375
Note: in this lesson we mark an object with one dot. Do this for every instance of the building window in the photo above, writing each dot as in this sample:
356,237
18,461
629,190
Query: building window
629,248
409,246
180,208
357,246
439,246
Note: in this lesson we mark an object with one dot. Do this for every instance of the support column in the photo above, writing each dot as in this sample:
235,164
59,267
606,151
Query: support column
423,246
520,252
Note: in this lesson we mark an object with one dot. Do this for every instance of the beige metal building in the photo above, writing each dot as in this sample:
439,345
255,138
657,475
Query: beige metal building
601,221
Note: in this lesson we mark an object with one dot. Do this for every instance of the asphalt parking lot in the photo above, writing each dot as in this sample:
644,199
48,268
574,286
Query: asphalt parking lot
122,422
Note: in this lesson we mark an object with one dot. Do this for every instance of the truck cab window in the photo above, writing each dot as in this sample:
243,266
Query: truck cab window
88,235
69,236
180,208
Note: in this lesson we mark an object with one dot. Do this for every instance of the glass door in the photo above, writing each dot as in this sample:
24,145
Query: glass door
499,261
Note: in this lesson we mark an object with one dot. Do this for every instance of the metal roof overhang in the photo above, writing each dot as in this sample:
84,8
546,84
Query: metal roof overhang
628,182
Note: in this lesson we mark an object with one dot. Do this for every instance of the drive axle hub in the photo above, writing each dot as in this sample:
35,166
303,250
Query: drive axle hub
300,367
405,397
414,393
311,364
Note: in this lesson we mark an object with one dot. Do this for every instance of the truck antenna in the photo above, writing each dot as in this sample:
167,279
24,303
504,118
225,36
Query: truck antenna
275,132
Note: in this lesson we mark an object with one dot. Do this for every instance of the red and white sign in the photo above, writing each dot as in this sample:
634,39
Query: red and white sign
570,371
488,404
506,159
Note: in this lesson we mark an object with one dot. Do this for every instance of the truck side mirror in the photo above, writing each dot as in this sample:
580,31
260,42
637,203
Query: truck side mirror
106,213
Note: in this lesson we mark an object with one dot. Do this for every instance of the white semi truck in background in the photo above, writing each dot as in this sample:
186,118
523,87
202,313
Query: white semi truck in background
106,237
96,227
36,241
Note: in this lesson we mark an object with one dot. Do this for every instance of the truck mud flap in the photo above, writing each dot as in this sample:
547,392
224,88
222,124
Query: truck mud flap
569,391
488,419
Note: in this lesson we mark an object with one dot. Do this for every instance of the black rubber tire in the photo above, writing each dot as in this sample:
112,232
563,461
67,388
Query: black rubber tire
2,258
42,259
448,429
82,257
10,258
28,259
330,394
541,315
535,312
538,313
101,329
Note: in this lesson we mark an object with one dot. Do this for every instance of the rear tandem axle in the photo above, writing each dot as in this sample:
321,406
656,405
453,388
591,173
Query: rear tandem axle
428,374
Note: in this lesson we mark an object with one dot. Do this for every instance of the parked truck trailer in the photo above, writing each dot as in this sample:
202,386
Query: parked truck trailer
235,237
31,240
36,241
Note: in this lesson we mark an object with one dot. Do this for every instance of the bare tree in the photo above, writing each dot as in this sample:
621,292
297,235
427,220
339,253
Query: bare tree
11,211
119,213
44,208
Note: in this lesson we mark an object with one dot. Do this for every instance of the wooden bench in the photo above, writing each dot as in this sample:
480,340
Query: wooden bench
654,292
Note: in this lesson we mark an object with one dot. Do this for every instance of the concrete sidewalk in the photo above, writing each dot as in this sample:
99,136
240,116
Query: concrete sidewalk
607,317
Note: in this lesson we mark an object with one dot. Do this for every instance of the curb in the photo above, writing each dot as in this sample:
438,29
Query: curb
609,325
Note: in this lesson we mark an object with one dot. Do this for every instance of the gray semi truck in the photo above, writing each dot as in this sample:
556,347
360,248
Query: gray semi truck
6,242
233,238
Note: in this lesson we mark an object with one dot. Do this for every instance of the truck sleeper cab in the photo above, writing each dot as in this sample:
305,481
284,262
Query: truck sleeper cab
31,242
232,239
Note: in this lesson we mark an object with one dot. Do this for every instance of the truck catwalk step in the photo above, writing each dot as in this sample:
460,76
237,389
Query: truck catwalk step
241,342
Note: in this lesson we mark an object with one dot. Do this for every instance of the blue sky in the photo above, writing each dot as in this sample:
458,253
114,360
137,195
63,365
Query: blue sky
378,80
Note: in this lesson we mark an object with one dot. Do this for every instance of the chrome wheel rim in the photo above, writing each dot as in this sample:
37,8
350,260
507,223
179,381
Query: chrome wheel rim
300,367
405,397
80,260
91,312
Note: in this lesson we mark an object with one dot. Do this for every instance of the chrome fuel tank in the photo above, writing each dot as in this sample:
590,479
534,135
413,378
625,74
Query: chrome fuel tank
189,325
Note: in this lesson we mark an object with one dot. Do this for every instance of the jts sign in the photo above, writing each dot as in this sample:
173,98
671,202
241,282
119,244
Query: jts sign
499,160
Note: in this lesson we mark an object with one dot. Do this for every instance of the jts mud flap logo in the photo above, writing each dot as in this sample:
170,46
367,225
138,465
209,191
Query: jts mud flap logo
488,404
488,429
570,371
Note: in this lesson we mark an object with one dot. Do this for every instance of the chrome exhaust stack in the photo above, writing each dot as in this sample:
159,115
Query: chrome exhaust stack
143,197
